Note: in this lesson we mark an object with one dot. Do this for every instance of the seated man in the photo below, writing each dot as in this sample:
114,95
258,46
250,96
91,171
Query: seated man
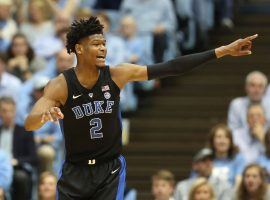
49,139
250,139
256,83
20,145
163,185
203,167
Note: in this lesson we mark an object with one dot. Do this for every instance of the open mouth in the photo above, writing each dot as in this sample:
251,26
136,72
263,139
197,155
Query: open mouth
101,57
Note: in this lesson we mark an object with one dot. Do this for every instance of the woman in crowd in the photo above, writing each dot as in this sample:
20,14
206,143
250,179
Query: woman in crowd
22,61
253,185
201,190
228,163
47,186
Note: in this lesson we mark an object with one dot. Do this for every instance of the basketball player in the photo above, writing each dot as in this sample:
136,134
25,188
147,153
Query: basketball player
85,100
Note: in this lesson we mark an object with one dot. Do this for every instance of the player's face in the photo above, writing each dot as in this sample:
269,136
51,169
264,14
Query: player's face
202,193
161,189
252,179
47,189
221,141
94,50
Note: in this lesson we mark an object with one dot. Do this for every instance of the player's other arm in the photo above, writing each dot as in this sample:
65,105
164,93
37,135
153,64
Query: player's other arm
129,72
47,107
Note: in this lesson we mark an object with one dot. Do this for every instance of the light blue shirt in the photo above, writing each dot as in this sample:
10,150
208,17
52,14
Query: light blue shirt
249,146
227,169
237,114
6,171
150,13
116,52
264,161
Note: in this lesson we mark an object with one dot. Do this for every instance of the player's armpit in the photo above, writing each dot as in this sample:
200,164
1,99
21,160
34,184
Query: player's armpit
126,72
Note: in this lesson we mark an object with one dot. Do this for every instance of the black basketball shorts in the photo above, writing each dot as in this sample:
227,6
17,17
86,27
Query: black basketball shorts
104,181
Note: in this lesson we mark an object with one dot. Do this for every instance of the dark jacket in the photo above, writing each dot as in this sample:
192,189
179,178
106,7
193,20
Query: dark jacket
24,148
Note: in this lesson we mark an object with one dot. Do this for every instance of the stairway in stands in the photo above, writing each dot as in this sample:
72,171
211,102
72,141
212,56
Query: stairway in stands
168,132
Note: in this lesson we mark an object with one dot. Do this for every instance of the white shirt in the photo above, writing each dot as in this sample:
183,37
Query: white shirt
237,114
6,141
249,146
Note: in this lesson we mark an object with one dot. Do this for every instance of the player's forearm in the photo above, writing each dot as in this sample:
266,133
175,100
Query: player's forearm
179,65
184,64
33,121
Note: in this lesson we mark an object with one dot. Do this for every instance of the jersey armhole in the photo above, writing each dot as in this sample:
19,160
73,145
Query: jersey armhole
109,74
65,74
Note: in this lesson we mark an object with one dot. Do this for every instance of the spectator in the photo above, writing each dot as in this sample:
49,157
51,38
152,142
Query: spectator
250,139
163,185
48,138
19,144
224,8
47,186
256,83
22,61
9,85
154,18
63,61
253,184
8,26
6,174
228,163
113,42
203,167
39,28
63,7
201,190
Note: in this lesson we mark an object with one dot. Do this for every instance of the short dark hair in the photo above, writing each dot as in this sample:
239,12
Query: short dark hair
80,29
30,51
7,99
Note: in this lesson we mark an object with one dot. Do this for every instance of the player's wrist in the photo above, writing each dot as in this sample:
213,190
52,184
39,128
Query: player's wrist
221,51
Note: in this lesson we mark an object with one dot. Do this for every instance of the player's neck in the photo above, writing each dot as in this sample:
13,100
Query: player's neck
87,76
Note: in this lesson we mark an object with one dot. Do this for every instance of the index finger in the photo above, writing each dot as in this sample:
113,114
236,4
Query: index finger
252,37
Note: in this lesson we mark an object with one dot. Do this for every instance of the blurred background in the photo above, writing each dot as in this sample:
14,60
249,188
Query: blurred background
205,131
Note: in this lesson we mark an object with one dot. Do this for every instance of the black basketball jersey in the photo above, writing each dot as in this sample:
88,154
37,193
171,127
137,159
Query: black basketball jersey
92,119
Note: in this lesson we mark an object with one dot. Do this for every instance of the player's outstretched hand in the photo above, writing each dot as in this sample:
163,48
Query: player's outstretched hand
53,114
241,47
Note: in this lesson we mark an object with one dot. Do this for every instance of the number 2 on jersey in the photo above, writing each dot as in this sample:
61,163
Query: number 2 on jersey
97,126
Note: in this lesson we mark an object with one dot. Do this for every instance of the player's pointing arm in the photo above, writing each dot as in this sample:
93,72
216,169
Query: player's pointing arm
47,107
129,72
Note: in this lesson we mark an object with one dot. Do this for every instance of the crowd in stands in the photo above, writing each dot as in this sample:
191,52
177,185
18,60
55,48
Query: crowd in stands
235,162
32,51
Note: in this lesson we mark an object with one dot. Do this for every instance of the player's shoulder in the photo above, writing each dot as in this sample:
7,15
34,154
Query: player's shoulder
58,82
57,88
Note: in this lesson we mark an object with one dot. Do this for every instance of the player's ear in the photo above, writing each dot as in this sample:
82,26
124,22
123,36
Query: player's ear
78,48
